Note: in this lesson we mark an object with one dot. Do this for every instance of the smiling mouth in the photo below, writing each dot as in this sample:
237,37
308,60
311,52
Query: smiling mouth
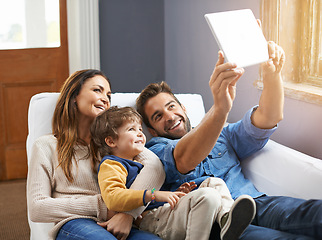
175,125
100,107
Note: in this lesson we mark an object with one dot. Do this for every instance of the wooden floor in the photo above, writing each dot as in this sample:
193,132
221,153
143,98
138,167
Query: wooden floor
13,210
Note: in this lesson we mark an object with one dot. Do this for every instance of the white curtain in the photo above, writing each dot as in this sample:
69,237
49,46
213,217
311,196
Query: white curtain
83,34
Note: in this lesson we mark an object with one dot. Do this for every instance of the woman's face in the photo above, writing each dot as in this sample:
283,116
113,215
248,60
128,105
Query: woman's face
93,98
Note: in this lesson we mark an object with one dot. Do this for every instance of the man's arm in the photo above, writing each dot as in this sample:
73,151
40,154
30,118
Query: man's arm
270,110
196,145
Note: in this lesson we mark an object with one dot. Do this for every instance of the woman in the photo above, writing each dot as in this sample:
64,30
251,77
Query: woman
62,176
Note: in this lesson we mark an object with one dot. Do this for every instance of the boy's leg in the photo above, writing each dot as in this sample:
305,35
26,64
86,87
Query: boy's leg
234,216
221,187
292,215
192,217
239,217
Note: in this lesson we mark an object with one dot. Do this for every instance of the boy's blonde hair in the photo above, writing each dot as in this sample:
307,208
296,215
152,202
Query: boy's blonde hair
106,125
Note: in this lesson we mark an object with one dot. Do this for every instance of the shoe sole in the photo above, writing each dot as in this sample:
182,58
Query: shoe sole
240,216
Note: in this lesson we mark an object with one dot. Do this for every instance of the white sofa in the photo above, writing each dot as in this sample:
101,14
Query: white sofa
276,169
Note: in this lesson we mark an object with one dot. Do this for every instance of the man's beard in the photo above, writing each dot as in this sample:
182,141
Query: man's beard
187,128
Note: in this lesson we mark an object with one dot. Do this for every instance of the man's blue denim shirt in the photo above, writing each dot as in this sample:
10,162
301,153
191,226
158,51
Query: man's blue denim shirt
236,142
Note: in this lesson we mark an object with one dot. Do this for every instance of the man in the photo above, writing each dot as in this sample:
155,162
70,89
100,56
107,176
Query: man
210,149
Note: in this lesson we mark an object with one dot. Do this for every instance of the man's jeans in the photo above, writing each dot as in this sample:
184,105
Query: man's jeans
88,229
282,218
286,218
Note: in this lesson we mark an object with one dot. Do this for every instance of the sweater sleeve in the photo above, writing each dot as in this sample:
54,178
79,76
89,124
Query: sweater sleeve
45,202
112,181
151,176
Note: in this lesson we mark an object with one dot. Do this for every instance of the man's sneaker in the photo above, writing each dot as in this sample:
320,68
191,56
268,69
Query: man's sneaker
241,214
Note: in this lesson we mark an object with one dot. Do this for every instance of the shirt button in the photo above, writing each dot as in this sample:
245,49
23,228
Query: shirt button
219,154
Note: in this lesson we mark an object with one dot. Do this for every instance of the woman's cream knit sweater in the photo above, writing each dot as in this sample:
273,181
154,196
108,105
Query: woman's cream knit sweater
52,198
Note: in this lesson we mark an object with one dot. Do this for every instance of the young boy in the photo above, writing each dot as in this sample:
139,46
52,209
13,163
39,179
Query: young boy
118,136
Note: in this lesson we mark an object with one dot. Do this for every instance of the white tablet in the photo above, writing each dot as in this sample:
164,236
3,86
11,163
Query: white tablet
239,37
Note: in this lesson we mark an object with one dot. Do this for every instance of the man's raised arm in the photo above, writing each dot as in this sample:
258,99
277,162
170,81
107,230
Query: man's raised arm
271,103
196,145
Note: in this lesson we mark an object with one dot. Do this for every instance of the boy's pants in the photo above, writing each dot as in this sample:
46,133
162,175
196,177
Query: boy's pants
193,216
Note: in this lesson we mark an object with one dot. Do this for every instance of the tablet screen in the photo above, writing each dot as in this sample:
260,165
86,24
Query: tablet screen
239,37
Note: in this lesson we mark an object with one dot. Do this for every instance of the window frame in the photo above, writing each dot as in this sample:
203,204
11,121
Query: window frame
302,72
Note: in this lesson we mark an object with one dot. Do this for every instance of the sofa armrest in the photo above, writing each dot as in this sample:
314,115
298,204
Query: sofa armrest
279,170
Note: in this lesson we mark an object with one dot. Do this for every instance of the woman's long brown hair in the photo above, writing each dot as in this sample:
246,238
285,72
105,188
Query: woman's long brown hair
65,121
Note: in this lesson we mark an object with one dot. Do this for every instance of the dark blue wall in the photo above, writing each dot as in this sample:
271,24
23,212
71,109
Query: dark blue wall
132,43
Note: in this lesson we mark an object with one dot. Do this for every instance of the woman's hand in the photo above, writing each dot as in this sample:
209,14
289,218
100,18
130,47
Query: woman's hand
119,225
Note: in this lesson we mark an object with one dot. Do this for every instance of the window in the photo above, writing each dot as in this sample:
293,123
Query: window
296,26
29,24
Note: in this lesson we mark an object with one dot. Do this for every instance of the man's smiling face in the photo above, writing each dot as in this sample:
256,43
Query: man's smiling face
167,117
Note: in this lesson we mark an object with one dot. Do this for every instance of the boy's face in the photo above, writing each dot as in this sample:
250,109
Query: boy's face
131,140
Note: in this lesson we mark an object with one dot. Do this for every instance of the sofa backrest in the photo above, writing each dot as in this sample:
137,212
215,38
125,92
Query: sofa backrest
42,106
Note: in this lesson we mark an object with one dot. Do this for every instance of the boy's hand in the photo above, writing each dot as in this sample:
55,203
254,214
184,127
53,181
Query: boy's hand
171,197
187,187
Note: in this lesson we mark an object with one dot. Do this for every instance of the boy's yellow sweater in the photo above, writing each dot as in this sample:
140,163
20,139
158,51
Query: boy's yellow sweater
112,177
